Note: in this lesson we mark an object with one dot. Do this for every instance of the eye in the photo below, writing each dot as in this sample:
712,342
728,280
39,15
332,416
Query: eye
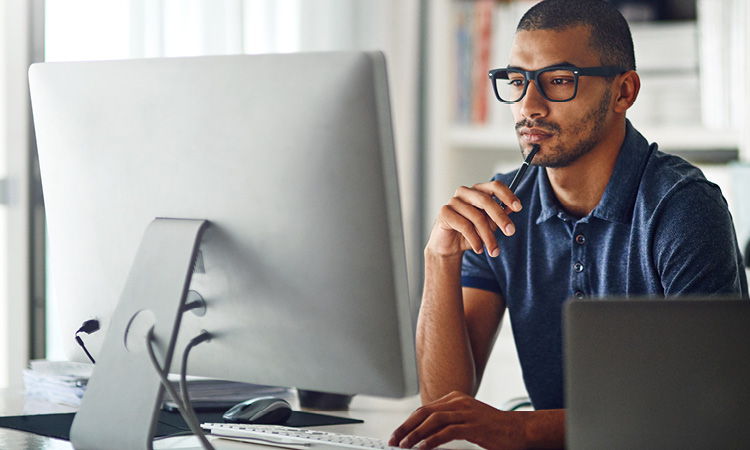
558,78
560,81
516,82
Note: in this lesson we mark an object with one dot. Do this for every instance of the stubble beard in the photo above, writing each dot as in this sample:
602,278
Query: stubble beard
561,155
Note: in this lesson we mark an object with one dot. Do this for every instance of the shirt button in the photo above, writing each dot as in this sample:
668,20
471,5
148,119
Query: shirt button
580,239
579,295
578,267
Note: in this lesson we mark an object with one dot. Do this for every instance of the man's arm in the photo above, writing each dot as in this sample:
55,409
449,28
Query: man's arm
455,334
455,331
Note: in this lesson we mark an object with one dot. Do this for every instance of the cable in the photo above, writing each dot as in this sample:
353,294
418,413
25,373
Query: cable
189,419
203,337
87,327
83,346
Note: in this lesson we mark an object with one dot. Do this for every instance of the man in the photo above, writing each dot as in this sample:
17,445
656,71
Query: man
600,213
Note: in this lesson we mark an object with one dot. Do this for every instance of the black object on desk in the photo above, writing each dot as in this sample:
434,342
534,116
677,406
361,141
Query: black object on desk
58,425
324,400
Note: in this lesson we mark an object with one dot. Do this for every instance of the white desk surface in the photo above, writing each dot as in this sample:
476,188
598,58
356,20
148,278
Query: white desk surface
381,417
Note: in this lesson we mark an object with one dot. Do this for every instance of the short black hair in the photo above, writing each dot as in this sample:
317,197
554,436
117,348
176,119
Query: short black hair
610,33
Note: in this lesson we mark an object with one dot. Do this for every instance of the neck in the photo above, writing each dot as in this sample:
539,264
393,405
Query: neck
579,186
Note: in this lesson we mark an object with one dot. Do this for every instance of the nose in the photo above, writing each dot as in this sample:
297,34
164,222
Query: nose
533,105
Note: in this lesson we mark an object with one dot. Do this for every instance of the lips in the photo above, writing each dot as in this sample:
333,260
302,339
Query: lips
534,134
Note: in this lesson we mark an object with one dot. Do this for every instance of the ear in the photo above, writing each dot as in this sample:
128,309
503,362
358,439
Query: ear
628,86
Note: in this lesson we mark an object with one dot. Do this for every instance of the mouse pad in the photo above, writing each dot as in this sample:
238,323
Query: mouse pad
58,425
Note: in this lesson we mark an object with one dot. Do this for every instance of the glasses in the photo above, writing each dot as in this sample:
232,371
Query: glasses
555,83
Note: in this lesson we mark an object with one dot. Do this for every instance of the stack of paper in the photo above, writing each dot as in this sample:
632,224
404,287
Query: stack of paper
60,382
64,383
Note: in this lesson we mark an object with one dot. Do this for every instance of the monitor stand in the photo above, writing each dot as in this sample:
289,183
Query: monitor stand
124,394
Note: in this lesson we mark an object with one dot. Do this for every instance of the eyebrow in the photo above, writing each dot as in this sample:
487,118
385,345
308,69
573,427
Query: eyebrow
563,63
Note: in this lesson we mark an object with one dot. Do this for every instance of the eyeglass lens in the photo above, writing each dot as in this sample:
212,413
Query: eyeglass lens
556,85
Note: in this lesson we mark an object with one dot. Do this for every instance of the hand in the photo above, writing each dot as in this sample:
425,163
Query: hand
470,218
460,416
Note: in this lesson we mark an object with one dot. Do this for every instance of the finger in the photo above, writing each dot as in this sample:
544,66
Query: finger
447,434
444,403
481,197
433,424
502,192
416,418
478,220
463,225
492,224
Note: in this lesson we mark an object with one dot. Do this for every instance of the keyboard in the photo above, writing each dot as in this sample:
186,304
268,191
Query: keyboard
280,436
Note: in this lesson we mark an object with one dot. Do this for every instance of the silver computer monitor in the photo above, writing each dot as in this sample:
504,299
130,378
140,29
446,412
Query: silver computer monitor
290,159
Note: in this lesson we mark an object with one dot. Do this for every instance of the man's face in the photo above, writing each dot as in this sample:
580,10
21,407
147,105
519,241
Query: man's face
565,131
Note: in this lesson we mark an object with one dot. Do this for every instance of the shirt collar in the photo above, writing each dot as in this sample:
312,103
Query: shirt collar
616,205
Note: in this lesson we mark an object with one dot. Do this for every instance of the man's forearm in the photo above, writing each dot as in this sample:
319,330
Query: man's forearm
545,428
443,349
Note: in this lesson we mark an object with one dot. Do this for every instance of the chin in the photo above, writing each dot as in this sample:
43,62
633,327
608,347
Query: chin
557,160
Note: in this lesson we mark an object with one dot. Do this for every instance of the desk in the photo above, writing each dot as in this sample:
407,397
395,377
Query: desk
381,417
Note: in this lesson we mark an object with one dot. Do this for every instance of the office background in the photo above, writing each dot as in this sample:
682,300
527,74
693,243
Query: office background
447,133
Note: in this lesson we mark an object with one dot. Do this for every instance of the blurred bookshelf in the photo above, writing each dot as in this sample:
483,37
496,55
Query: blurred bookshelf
693,143
680,46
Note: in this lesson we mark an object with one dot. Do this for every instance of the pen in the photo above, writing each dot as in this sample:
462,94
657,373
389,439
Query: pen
522,170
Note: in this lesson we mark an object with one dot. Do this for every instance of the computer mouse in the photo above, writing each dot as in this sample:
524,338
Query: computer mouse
261,410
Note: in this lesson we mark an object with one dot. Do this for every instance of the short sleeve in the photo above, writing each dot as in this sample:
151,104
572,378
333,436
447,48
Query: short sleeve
695,247
477,273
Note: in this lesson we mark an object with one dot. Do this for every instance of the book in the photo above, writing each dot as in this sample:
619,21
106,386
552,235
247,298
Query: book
463,63
483,12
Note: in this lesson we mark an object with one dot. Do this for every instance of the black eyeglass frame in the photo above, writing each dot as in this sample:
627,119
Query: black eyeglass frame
532,75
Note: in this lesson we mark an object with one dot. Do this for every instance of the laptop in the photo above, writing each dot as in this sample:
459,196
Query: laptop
666,374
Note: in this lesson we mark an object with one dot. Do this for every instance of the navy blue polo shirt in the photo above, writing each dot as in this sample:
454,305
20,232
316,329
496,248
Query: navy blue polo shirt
659,229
